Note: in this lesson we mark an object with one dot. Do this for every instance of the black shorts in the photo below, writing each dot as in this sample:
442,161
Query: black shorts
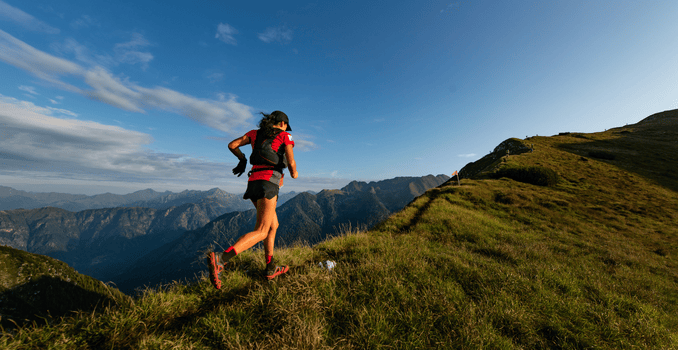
259,189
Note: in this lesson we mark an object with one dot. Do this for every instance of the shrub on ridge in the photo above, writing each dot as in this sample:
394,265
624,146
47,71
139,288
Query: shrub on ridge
535,175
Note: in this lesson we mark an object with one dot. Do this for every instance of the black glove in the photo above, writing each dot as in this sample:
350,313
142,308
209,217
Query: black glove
241,167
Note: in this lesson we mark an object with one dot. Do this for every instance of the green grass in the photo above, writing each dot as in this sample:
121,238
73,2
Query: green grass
36,289
589,263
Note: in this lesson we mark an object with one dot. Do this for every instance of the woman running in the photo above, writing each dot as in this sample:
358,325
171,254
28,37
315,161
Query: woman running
271,153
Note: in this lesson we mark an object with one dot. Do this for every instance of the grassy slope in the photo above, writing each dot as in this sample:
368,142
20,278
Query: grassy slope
35,289
589,263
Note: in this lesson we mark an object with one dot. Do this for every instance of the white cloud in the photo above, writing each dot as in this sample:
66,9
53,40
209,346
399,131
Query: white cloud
226,33
29,135
32,140
215,77
130,53
13,14
82,53
282,35
468,155
40,64
302,143
85,21
62,111
111,90
224,114
29,89
30,106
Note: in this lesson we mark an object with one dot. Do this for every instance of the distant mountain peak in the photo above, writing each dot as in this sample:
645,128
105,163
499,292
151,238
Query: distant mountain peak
216,192
354,186
146,191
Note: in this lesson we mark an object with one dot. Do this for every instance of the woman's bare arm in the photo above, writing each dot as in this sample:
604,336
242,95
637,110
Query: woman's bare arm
234,145
291,164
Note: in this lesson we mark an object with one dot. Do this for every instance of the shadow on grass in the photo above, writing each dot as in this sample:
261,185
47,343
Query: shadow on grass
647,148
416,217
47,299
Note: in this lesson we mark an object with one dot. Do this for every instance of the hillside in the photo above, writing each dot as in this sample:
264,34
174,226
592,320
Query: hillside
37,288
306,219
588,261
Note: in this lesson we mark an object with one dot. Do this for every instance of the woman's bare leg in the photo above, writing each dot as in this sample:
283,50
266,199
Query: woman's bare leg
269,241
267,222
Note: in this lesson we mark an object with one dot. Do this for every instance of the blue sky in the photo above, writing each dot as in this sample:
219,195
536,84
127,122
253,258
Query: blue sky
118,96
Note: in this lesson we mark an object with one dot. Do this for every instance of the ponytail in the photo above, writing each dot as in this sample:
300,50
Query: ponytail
266,124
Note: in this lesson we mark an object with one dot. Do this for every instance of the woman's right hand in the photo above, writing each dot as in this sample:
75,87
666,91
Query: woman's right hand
240,169
294,174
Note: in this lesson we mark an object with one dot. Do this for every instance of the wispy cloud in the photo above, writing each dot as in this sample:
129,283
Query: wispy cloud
468,155
130,52
29,89
13,14
224,114
303,143
226,33
40,64
30,106
85,21
32,138
81,53
214,77
54,101
282,35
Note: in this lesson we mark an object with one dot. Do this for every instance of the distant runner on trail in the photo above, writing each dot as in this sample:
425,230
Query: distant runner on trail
271,154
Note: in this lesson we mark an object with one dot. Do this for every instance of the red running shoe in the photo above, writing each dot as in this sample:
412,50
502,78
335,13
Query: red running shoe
215,268
278,270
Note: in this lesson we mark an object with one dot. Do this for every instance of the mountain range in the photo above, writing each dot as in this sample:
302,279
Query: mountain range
11,198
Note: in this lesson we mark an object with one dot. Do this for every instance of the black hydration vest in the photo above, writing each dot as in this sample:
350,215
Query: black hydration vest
263,153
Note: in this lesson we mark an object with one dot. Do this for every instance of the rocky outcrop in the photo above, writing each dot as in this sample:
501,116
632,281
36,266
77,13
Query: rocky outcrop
487,164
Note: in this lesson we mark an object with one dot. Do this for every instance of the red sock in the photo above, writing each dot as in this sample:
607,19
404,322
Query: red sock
228,254
269,258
